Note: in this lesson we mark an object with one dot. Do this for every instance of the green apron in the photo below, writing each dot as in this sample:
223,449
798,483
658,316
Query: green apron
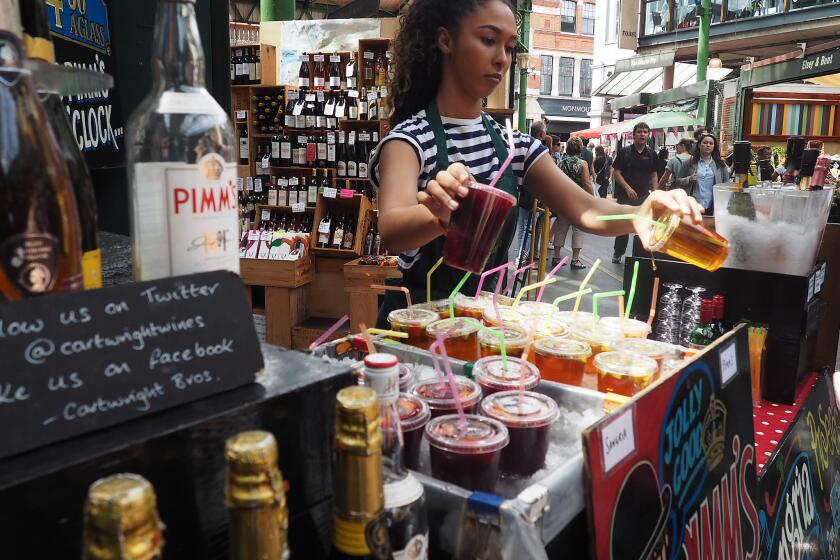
445,278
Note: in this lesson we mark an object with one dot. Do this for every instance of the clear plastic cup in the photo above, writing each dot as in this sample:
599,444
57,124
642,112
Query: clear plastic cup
414,415
536,308
509,315
461,337
493,377
528,419
652,349
413,323
438,395
624,373
576,318
439,306
407,376
544,327
466,306
475,227
562,359
688,242
469,455
632,328
598,339
489,344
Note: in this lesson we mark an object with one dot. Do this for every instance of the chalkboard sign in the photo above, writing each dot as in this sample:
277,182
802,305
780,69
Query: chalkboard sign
73,363
672,473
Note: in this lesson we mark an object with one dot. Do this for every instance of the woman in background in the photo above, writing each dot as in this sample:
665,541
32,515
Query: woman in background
603,170
704,171
577,170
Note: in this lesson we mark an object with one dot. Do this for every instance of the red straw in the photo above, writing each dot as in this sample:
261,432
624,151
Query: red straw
320,340
549,275
452,385
517,273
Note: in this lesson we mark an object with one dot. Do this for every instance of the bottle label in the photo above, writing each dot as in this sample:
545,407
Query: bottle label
338,237
351,168
92,269
322,151
416,549
342,168
312,193
275,150
351,82
303,82
285,150
330,152
30,264
335,81
360,538
319,81
386,383
363,170
243,148
188,217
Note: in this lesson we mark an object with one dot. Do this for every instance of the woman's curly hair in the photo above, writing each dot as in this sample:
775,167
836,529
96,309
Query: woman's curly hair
415,55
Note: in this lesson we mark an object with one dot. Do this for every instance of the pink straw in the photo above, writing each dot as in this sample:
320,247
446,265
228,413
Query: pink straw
511,152
517,273
496,292
549,275
452,385
487,273
320,340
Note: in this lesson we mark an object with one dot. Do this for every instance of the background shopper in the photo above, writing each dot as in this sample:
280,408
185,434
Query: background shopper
578,171
703,172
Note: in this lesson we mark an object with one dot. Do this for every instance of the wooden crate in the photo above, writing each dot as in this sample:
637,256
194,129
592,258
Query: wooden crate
305,334
276,274
360,206
364,300
268,61
327,297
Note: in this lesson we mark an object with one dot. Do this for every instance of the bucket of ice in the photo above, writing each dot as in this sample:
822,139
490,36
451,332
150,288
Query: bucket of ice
773,229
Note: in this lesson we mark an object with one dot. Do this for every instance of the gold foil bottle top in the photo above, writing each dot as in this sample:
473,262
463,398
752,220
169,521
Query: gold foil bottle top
121,520
357,421
253,479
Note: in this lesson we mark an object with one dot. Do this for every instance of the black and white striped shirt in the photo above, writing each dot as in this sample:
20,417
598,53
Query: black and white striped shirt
468,142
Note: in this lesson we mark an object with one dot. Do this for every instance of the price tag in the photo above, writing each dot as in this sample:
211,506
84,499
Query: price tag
618,439
310,97
242,115
318,58
353,94
372,97
320,95
282,182
368,55
239,183
265,161
293,182
250,183
364,137
303,139
304,58
266,215
324,227
335,58
383,92
347,193
330,192
298,108
728,363
257,185
298,208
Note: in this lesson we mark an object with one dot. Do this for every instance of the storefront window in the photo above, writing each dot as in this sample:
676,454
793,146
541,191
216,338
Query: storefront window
546,70
568,17
737,9
657,17
611,22
585,77
567,75
807,4
685,13
588,19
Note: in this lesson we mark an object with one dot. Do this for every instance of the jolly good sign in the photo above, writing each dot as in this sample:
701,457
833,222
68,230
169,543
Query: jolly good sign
73,363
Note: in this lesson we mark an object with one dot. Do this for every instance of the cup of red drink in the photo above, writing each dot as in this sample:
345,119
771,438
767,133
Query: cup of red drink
528,417
490,344
466,454
562,360
460,337
414,415
438,395
475,226
492,376
414,323
624,373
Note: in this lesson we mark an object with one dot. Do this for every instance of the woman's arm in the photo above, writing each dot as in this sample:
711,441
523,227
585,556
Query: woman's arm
663,182
587,180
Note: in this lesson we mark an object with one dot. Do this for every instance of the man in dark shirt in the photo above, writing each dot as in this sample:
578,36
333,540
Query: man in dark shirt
635,176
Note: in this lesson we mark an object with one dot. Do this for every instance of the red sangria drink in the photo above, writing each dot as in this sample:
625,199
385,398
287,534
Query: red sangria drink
493,376
460,337
490,344
562,359
475,226
407,377
528,418
413,322
414,415
466,454
438,395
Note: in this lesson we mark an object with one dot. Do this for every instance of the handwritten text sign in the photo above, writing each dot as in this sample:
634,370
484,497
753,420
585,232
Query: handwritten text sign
73,363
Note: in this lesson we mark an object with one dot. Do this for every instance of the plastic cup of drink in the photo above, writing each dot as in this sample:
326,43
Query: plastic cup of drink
414,415
439,306
489,344
652,349
510,316
688,242
493,377
633,328
576,318
469,455
466,306
475,227
624,373
461,338
414,324
528,421
407,377
536,309
562,359
598,339
544,327
438,395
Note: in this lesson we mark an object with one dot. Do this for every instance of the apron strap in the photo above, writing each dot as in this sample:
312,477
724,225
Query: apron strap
433,116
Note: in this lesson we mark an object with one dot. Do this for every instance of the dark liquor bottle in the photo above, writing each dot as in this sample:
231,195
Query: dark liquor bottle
362,156
352,162
338,233
325,182
363,106
350,71
369,241
40,241
300,111
349,237
353,105
806,170
331,152
312,189
275,151
321,147
324,231
320,115
244,147
289,117
319,72
311,113
285,150
341,155
361,529
252,67
240,68
340,109
303,71
368,79
740,202
703,335
718,326
335,72
257,65
311,152
329,112
793,159
302,190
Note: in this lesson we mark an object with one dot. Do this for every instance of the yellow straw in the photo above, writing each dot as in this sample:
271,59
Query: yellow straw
597,297
429,280
386,332
583,284
579,293
533,286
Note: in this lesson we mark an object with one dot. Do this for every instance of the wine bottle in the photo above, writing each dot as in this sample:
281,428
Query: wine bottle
360,525
312,189
311,116
303,71
238,64
257,65
321,147
318,72
331,155
254,495
285,150
181,150
363,106
275,151
381,70
121,520
40,241
350,71
740,202
38,43
362,157
349,237
252,67
806,170
244,147
320,116
341,155
352,162
335,72
368,79
324,231
338,233
289,117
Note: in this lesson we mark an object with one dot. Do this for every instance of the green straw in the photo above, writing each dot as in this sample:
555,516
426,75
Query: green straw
632,289
454,293
616,217
597,297
429,280
500,334
581,293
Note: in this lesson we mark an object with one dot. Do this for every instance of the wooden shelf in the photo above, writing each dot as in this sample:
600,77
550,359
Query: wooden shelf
299,169
344,253
306,210
276,274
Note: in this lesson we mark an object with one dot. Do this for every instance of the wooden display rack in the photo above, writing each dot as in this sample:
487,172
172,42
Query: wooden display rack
364,300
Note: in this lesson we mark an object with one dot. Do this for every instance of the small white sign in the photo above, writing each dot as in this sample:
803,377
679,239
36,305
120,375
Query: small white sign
265,161
266,215
250,183
257,185
310,97
330,192
241,115
298,208
372,97
320,95
352,93
304,58
618,439
335,58
728,363
318,58
239,183
368,55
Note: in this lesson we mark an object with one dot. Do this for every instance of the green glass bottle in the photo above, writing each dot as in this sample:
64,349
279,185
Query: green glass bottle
704,334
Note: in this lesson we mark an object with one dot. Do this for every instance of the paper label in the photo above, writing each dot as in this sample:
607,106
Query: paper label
242,115
265,215
298,208
265,161
304,58
335,58
329,192
310,97
250,183
257,185
728,363
353,94
239,183
347,193
368,55
318,58
177,102
618,439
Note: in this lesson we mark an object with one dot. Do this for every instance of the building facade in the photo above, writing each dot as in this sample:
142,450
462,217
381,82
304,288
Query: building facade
605,54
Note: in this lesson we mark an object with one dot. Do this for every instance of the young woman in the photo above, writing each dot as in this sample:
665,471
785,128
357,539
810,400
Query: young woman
447,57
577,170
704,171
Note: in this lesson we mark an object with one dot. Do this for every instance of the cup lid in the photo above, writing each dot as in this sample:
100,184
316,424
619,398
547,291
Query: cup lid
381,360
661,233
507,313
481,434
417,317
546,326
493,190
452,327
436,305
563,348
532,410
468,302
650,348
489,371
414,412
536,308
626,364
629,325
437,393
514,336
595,335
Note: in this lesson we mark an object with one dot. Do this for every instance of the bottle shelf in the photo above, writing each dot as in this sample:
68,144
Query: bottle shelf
307,209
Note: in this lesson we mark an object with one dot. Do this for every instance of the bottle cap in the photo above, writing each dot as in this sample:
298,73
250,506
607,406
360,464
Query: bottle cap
357,421
383,375
253,479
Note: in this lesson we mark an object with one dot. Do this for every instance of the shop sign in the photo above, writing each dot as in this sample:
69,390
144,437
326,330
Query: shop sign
554,107
82,39
74,363
673,474
645,62
799,491
628,25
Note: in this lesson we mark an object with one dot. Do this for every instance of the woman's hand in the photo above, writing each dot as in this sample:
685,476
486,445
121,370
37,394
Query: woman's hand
442,192
661,203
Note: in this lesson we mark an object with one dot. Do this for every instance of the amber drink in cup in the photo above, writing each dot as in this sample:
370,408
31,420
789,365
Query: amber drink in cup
624,373
490,345
631,328
562,359
692,243
461,337
413,322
